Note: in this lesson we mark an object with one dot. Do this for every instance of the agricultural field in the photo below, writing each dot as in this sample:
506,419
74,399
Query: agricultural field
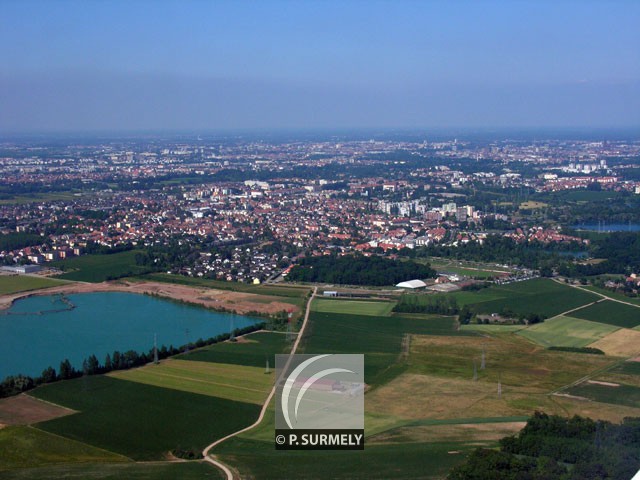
233,382
98,268
621,343
615,295
256,459
23,447
24,283
379,338
253,350
612,313
438,381
539,295
566,332
617,394
140,421
118,471
353,307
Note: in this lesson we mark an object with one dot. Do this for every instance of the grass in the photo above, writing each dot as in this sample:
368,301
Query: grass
469,269
357,307
98,268
612,313
266,289
628,368
539,295
627,395
233,382
566,332
130,471
438,381
140,421
615,295
259,347
23,283
23,447
379,338
38,197
514,359
255,459
491,328
532,205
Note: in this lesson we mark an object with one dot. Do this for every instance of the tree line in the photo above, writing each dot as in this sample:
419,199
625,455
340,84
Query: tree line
553,447
357,270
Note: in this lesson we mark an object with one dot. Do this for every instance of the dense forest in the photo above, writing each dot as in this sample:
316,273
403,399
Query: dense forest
552,447
357,270
13,241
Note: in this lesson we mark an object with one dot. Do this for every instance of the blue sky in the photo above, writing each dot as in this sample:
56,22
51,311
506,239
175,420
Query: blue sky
143,65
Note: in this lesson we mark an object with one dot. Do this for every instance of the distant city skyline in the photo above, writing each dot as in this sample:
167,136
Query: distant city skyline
119,66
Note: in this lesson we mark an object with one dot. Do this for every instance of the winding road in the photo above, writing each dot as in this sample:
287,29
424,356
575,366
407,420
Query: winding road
227,471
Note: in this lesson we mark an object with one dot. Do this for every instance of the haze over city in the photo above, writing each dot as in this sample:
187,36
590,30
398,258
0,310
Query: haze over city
120,66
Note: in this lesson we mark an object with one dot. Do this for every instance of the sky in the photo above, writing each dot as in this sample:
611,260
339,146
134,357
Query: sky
196,65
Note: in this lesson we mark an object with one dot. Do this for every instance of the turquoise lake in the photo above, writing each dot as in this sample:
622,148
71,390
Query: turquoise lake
41,331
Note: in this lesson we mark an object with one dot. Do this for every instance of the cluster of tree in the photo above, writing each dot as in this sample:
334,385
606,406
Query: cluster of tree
357,270
13,241
187,453
15,384
98,249
501,249
591,350
559,448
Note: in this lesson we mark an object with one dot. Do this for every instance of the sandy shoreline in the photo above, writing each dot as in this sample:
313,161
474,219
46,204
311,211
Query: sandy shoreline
238,302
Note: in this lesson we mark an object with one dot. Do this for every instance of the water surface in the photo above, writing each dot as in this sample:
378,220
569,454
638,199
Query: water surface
41,331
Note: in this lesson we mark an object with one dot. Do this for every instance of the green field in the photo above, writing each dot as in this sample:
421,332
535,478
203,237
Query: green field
379,338
627,395
566,332
24,283
469,269
37,197
98,268
256,459
140,421
539,295
627,368
23,447
233,382
259,347
614,295
355,307
506,355
612,313
128,471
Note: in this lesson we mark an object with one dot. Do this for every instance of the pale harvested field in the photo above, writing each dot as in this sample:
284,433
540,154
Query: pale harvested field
25,410
233,382
412,396
621,343
471,432
238,302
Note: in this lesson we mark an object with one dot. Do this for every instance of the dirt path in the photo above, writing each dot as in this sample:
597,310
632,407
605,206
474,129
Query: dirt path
227,471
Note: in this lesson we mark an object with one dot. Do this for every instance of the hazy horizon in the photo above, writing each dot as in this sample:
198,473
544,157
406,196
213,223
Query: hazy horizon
145,66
